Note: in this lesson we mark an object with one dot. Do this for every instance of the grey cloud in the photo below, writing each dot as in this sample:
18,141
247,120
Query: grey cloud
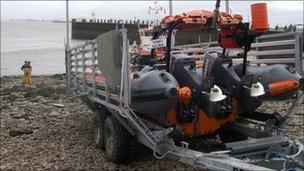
279,12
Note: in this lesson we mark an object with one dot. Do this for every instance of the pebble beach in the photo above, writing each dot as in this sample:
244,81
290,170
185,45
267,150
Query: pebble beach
43,129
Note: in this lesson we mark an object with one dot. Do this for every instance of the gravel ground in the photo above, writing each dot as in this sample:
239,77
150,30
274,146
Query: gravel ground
41,129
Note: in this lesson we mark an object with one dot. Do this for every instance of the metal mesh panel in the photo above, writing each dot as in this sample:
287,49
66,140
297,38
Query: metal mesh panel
109,48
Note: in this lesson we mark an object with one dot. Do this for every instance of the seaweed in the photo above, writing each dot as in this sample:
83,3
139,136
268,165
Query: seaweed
45,91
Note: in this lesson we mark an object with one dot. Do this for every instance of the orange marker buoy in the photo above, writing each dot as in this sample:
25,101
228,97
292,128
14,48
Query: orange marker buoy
259,17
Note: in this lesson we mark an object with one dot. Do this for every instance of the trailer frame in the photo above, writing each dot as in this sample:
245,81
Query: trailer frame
163,146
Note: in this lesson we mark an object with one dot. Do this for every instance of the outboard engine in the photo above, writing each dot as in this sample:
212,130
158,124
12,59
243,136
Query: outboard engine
215,109
220,68
184,70
209,60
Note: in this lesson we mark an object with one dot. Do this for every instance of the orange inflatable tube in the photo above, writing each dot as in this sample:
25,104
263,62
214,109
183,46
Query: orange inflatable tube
282,87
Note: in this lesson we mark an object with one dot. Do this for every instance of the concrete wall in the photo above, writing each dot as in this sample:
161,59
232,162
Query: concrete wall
88,30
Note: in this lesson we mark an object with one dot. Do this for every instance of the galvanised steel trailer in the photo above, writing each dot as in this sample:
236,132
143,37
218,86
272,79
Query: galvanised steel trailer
116,122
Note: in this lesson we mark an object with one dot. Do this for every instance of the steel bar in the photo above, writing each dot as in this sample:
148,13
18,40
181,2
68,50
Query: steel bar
67,24
272,43
272,52
298,53
83,69
293,109
93,70
68,56
272,61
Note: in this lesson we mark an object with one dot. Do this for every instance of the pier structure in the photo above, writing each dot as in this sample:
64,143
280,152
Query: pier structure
89,29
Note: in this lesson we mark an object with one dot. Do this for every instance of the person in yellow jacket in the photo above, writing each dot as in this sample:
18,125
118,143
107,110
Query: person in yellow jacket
27,69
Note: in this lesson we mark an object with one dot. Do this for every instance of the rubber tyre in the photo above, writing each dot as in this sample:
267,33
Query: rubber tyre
116,141
227,136
98,133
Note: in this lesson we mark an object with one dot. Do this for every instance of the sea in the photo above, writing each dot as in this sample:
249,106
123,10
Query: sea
42,43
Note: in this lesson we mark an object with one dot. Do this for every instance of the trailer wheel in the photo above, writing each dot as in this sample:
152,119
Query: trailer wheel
116,140
227,136
100,118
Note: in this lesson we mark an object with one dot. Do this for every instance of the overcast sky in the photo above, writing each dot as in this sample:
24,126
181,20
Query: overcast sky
280,12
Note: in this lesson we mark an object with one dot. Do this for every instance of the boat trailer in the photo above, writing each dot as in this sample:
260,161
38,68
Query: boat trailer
266,150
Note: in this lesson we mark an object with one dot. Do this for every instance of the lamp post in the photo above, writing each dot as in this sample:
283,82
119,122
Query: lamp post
67,24
170,8
227,5
67,46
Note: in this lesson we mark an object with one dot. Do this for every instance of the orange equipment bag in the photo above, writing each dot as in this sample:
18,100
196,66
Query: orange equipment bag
231,37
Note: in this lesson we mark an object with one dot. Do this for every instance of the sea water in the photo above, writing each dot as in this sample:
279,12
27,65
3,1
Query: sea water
42,43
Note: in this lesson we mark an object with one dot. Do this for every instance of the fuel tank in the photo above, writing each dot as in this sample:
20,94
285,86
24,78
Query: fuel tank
154,94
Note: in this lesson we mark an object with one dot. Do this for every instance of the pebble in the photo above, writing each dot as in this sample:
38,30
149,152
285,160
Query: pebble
58,105
20,131
21,115
42,100
51,131
54,113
